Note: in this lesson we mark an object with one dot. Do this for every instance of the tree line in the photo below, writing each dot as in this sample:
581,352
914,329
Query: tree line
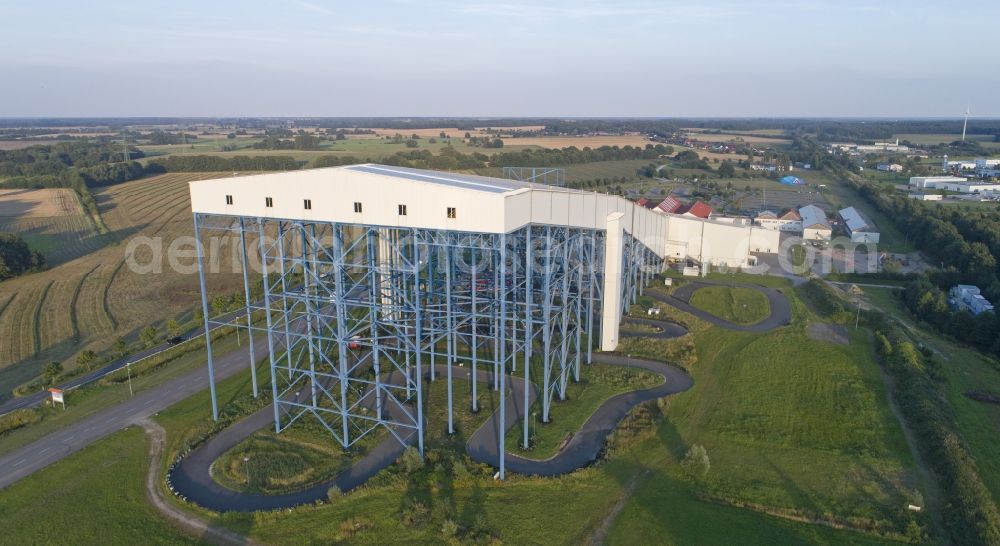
16,258
55,158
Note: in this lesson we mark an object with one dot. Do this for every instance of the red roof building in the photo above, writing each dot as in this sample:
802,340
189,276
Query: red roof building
670,205
791,214
697,209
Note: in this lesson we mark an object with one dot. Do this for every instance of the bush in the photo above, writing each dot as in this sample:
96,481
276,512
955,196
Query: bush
333,494
17,419
696,461
411,460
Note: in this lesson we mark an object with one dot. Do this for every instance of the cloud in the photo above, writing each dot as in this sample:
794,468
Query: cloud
313,7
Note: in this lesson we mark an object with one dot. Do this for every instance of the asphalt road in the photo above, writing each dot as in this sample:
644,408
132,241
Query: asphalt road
192,478
37,455
781,309
38,398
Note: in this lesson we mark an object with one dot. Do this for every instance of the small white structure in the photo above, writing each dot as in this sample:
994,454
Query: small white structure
967,297
926,196
860,229
815,226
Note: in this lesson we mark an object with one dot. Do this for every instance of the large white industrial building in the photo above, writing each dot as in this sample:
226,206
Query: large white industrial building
389,267
952,183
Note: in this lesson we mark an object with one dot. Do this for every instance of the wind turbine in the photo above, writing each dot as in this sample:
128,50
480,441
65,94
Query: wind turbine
966,122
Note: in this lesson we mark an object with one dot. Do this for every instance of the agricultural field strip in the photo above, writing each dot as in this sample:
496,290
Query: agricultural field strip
74,301
36,319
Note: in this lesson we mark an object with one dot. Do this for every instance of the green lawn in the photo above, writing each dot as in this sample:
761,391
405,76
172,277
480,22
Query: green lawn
739,305
301,456
95,496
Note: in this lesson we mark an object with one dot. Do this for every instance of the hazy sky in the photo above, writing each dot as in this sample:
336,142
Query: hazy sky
498,58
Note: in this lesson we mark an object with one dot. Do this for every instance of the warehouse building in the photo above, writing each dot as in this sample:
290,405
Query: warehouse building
815,225
952,183
858,227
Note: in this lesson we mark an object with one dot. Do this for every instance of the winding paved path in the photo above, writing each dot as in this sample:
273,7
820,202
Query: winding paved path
192,476
781,309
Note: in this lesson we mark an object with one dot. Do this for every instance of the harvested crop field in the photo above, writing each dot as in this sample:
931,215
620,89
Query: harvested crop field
86,303
24,203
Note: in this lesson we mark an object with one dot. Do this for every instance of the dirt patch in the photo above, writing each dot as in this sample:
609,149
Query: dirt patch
830,333
38,203
600,534
192,524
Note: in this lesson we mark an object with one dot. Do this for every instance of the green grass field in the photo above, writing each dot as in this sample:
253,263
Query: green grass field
794,427
598,382
966,370
297,458
95,496
363,149
739,305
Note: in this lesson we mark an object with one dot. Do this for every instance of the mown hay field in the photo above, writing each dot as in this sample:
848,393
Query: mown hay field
90,300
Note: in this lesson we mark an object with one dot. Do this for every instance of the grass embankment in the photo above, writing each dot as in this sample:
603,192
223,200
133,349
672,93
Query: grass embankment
739,305
794,427
95,496
86,401
965,370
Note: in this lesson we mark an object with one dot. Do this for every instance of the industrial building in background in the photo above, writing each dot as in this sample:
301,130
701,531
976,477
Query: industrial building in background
375,277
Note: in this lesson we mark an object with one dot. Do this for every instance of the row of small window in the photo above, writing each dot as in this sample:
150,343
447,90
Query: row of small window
307,204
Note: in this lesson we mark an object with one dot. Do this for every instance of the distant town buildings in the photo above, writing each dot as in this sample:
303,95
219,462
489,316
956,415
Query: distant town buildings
856,149
858,227
890,167
966,297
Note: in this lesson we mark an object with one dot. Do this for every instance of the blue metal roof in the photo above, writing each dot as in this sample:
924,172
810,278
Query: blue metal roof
457,180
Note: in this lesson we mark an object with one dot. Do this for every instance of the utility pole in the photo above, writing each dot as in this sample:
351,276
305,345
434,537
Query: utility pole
128,371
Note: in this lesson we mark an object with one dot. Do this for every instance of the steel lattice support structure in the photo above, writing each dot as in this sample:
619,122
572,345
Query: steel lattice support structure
357,317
